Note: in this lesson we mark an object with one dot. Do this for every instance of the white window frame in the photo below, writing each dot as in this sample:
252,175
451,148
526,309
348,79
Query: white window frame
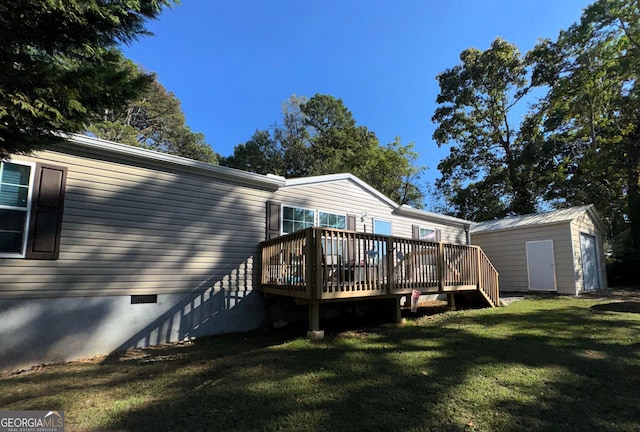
25,233
316,216
344,215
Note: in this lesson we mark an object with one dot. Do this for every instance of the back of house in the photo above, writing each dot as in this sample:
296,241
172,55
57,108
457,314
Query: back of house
107,247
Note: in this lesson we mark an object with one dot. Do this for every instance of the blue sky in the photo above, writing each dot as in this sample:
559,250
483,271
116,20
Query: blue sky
233,63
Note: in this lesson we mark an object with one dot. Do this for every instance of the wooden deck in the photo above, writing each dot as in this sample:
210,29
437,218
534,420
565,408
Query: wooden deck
316,265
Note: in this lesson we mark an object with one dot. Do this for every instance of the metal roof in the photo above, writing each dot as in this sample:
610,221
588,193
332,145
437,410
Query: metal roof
546,218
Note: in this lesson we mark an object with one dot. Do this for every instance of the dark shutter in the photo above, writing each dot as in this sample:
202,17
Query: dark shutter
47,207
351,223
438,235
415,232
273,219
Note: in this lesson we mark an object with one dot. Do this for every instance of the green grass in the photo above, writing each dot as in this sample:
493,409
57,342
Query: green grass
538,365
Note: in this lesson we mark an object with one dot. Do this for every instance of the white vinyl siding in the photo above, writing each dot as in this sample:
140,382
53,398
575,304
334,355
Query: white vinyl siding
144,230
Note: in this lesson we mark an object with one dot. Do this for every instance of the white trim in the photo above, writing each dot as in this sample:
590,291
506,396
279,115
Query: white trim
25,232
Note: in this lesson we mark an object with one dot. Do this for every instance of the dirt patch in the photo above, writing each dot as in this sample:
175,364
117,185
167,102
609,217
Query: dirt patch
618,294
620,300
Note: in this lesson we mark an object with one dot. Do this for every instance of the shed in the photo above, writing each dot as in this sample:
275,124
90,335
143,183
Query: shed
559,251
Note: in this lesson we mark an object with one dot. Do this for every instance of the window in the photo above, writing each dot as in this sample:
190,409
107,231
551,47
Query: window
330,220
382,227
296,219
31,209
427,234
16,181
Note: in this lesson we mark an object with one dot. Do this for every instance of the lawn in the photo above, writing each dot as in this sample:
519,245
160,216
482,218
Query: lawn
540,364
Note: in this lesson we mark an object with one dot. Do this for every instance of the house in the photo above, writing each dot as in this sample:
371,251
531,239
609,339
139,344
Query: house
106,247
559,251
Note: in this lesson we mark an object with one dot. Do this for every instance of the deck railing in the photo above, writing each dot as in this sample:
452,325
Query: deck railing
327,264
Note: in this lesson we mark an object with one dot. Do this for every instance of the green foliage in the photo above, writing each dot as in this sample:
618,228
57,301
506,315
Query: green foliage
59,65
260,154
489,151
579,144
154,120
320,136
592,111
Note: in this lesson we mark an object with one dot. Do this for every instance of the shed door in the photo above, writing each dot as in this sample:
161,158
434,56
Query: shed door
589,262
541,265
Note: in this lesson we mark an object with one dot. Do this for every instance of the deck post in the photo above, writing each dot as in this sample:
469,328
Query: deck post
390,264
314,332
451,301
440,266
479,268
398,318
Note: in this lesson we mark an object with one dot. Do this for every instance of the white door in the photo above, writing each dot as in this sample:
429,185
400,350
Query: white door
541,265
590,274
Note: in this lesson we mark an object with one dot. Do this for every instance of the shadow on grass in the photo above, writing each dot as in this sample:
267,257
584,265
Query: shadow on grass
563,367
625,306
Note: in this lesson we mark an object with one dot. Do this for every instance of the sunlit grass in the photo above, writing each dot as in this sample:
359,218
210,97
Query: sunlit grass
539,364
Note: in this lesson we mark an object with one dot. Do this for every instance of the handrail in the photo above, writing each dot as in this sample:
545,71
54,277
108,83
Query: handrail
325,264
488,282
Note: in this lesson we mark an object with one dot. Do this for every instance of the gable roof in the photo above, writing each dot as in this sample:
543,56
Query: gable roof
132,152
397,208
329,178
269,181
536,219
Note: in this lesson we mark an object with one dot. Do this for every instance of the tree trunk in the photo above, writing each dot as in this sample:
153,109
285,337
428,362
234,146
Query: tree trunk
633,189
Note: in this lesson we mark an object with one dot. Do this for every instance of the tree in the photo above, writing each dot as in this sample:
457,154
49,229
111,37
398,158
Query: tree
320,136
155,121
592,110
260,154
393,171
60,65
490,152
